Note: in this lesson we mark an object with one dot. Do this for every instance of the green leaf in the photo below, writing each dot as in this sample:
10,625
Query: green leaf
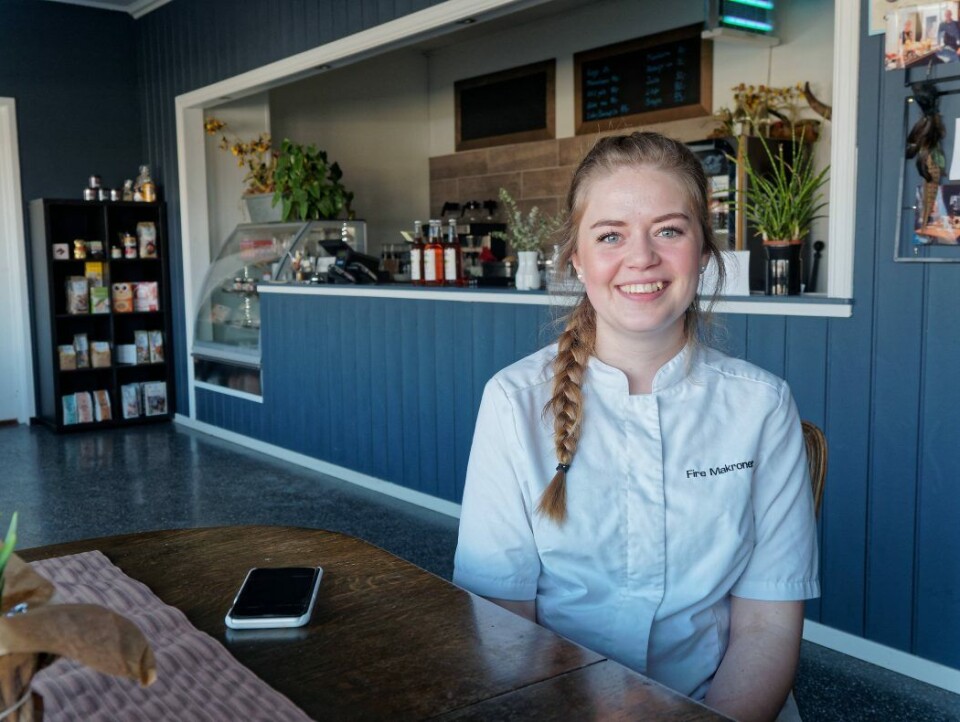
9,543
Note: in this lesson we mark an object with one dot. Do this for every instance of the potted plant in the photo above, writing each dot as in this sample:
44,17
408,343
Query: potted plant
35,630
781,203
307,186
526,235
259,159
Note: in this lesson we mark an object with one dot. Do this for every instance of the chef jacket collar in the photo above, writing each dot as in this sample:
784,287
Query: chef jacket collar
670,374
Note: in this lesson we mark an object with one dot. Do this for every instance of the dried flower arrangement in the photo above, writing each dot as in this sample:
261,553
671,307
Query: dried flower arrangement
256,155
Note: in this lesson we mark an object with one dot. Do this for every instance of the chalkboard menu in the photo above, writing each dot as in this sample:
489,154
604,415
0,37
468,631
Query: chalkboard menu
657,78
510,106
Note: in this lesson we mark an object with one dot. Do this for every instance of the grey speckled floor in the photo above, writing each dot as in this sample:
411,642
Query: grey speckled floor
160,477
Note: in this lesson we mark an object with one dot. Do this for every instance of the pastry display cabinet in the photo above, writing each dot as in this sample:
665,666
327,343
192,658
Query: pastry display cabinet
226,343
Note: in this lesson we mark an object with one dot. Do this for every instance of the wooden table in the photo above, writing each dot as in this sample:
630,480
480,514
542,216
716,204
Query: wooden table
387,639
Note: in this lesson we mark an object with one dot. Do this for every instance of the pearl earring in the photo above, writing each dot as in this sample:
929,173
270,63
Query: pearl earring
702,269
579,276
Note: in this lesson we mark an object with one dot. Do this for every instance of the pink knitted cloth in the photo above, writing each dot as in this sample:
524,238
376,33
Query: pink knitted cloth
197,679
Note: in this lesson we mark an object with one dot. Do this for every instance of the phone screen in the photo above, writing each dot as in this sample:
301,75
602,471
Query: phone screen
281,592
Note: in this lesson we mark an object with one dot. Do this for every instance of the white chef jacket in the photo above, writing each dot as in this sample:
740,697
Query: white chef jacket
676,499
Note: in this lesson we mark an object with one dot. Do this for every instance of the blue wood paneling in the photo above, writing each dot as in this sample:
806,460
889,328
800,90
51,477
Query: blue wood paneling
936,611
69,70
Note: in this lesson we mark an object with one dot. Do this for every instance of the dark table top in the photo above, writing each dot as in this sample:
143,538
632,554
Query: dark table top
387,639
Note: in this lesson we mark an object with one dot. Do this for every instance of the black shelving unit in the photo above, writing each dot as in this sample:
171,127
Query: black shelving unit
62,222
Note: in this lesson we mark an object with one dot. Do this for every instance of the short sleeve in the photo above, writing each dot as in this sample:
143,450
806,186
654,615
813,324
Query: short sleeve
783,565
496,553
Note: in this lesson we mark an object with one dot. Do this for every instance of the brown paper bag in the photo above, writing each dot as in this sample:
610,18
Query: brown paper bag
34,638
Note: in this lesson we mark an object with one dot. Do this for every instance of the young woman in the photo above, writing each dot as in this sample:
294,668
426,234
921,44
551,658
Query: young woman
631,488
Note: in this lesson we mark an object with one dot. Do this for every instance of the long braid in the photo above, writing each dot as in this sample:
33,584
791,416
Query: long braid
575,346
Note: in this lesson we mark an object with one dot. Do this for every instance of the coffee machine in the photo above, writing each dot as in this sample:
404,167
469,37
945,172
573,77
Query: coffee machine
476,223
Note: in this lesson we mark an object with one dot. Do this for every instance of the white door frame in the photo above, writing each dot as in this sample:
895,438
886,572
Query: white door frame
13,245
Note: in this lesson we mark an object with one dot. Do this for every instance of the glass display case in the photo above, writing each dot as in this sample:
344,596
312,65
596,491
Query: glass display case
226,341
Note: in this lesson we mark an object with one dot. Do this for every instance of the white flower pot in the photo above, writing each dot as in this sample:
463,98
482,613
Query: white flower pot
528,274
260,208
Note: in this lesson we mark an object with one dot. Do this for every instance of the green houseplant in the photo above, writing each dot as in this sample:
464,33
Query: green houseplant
307,185
782,202
526,232
526,235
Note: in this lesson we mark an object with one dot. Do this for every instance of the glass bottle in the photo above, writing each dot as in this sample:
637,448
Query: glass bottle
452,257
433,256
416,255
145,186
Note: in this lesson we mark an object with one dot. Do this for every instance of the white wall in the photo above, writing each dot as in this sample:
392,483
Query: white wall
16,356
372,119
246,119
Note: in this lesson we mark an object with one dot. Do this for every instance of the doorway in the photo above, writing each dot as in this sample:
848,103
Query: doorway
16,357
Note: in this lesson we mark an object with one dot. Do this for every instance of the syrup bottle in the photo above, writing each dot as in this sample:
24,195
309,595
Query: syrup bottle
416,255
433,256
452,257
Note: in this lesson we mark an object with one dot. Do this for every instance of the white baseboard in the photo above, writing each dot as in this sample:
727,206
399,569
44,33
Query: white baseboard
893,659
340,472
909,665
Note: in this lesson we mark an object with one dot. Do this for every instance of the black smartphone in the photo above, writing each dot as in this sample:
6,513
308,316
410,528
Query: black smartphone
272,597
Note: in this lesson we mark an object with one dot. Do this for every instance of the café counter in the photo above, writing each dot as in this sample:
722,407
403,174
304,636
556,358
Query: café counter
380,385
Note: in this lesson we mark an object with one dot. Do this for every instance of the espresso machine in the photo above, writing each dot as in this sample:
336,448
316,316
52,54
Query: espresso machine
476,223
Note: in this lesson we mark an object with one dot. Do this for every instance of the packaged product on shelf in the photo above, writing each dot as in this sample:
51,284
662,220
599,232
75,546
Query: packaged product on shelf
145,296
142,342
99,299
78,300
69,409
129,243
155,398
68,357
122,297
220,313
61,251
79,249
156,346
82,349
84,407
93,270
130,398
100,354
147,237
101,405
95,249
126,353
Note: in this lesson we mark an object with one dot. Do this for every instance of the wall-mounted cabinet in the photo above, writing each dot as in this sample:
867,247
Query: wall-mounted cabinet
101,318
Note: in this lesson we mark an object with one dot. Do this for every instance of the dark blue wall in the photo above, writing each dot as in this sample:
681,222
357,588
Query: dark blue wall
73,74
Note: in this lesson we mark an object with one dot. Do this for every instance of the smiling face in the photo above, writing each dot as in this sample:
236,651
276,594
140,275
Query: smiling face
639,247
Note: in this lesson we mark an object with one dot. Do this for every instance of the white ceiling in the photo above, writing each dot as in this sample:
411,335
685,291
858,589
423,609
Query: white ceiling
137,8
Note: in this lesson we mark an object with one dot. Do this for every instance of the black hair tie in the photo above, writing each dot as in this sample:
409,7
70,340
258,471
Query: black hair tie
563,467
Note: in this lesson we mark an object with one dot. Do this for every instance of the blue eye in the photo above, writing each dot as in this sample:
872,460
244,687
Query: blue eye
609,238
669,232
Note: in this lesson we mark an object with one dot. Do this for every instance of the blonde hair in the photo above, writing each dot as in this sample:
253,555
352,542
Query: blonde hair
576,342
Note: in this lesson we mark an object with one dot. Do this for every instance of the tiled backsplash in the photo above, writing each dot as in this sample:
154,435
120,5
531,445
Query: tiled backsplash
536,173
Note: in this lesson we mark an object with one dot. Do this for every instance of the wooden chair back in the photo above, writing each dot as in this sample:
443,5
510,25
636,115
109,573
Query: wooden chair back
816,444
